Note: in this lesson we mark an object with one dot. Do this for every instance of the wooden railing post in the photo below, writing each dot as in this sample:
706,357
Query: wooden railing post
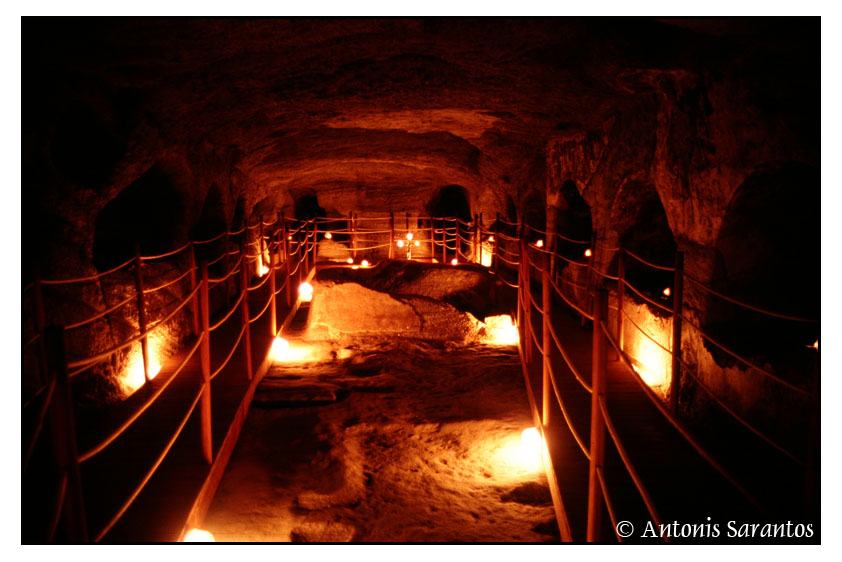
527,295
443,240
495,260
590,275
226,262
63,434
194,305
287,261
353,235
391,235
273,313
621,296
597,443
432,240
141,312
306,248
315,256
204,355
260,261
245,309
546,341
678,296
475,239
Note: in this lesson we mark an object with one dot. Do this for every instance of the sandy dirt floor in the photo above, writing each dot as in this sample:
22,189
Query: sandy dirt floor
423,444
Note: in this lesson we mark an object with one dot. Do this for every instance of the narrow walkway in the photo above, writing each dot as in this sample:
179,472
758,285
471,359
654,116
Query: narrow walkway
176,484
683,486
387,441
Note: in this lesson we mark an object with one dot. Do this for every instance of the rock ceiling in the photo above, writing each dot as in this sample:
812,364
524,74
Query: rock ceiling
364,111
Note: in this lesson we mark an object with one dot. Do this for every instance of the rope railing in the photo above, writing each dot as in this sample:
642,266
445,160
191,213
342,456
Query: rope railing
234,347
87,361
99,315
165,254
120,429
650,264
96,277
742,360
169,283
305,249
630,469
466,240
148,476
748,306
702,451
567,418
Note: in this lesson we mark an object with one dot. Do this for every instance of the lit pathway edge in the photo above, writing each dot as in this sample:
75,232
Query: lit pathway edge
203,500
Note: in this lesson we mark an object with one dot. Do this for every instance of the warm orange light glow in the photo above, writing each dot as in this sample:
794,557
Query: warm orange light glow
523,455
540,243
305,292
653,364
491,239
364,263
400,243
667,292
814,346
500,330
134,376
284,352
417,243
588,253
328,235
409,235
198,535
279,350
454,261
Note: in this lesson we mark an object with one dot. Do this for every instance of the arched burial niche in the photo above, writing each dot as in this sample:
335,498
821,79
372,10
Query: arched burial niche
639,218
149,212
571,218
534,211
451,201
212,222
768,255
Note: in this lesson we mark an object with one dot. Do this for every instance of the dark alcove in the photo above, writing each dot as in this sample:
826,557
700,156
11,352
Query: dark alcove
451,201
149,212
767,256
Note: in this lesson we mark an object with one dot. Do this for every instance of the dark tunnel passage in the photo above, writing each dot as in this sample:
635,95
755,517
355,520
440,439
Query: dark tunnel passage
451,201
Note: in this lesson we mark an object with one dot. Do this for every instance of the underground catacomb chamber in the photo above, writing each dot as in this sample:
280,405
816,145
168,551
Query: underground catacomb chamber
389,416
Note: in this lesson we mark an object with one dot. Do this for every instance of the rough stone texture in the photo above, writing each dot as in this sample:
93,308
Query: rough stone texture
231,119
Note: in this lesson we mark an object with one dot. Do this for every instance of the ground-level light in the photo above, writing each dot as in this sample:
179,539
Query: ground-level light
328,235
135,376
364,263
198,535
350,260
539,243
500,330
454,261
305,291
